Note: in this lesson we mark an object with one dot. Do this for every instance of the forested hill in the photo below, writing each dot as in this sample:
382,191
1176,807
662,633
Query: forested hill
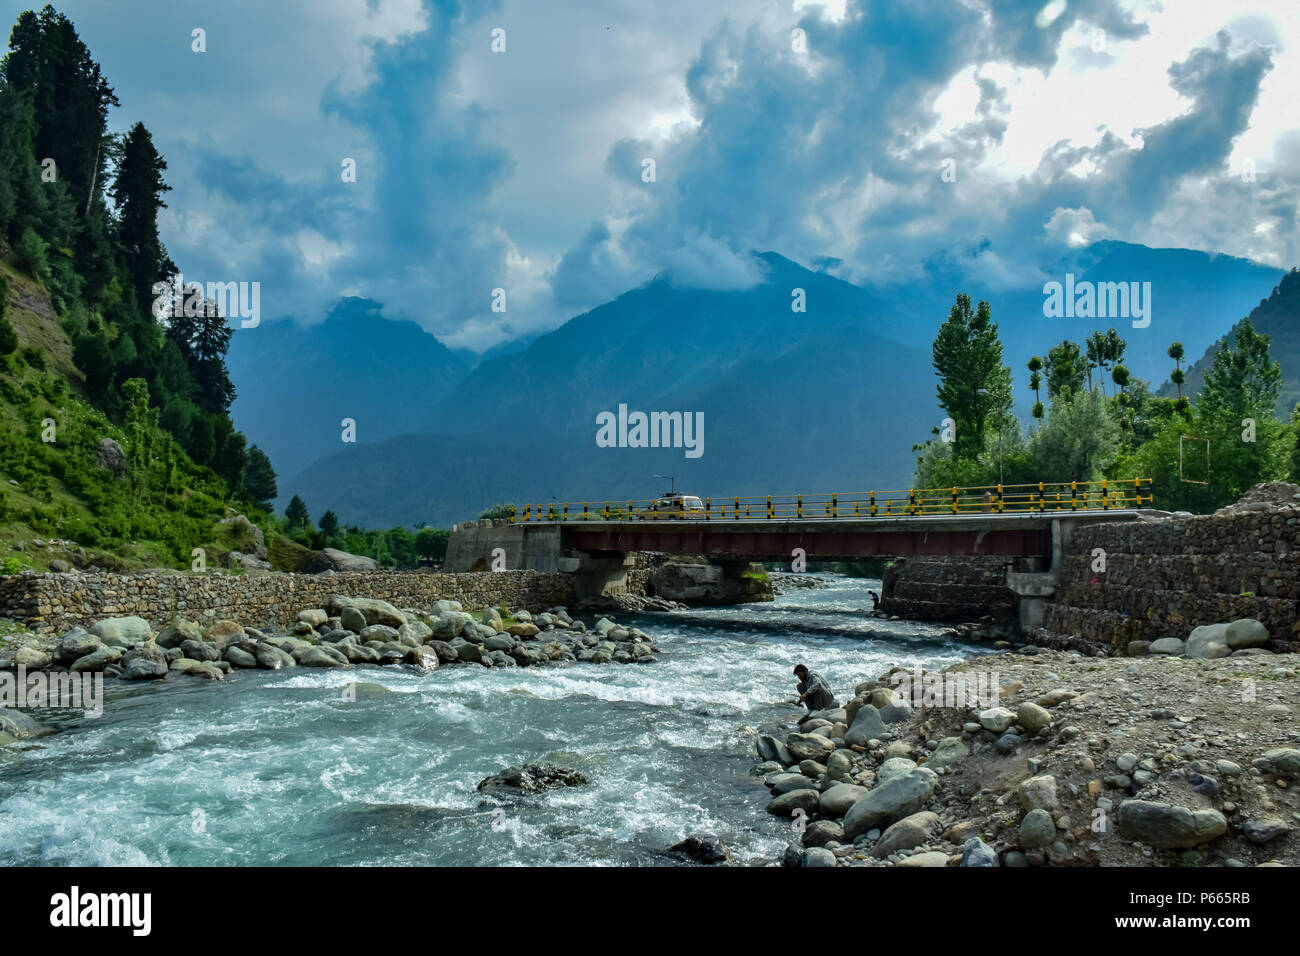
82,356
1278,317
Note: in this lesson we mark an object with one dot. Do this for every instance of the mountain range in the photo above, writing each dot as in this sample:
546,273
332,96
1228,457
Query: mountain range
826,399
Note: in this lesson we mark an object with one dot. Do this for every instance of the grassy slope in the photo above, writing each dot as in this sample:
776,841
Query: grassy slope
37,505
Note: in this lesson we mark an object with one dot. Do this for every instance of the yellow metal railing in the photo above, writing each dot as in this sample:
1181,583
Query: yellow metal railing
914,502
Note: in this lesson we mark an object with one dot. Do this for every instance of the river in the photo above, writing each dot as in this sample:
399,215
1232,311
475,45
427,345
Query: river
277,768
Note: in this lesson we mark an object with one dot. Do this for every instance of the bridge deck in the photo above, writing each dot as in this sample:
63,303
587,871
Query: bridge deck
1012,535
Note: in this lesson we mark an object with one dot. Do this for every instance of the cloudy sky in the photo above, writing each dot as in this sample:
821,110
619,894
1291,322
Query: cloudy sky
868,137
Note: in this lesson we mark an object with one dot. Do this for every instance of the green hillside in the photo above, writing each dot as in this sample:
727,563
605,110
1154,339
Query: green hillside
1278,317
52,484
115,434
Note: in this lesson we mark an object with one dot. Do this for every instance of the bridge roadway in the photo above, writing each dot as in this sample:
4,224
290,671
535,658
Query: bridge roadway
1014,535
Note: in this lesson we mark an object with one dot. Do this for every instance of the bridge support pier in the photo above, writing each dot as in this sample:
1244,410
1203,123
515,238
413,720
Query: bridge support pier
1036,588
597,575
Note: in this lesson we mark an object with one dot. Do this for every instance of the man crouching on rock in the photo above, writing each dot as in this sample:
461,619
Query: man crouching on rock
814,692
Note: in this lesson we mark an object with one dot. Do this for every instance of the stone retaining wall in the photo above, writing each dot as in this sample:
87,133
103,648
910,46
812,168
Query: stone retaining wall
1165,577
949,590
52,603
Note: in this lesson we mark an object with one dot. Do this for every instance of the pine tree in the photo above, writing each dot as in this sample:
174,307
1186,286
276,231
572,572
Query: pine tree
8,337
296,514
974,386
137,190
259,478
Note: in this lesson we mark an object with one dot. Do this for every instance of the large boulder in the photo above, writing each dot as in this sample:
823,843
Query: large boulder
836,800
75,644
867,725
786,804
809,747
123,631
1246,632
374,611
909,832
1208,641
533,777
245,536
178,631
111,457
332,559
898,797
1166,826
146,662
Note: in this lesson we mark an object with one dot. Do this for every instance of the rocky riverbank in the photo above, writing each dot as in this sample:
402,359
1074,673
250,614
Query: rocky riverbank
1051,759
347,632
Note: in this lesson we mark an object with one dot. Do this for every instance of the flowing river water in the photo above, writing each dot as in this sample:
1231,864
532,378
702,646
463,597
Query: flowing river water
278,768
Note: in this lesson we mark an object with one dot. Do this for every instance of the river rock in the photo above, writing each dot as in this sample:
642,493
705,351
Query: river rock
374,611
1037,830
240,658
145,662
892,800
996,719
419,657
379,632
950,752
32,658
173,634
821,832
836,800
323,655
769,748
809,747
934,858
907,833
96,660
123,631
805,799
894,767
1208,641
818,856
1165,826
446,653
313,617
1262,831
223,633
271,657
867,725
75,643
1246,632
200,651
785,782
20,726
702,847
533,777
1038,793
468,653
839,765
195,668
499,642
975,852
1168,645
1033,717
414,633
1285,762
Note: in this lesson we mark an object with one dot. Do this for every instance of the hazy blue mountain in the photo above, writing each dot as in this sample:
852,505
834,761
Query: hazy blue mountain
1194,296
296,384
816,419
827,399
1278,316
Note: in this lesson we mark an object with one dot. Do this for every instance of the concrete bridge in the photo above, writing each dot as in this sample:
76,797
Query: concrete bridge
1029,529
